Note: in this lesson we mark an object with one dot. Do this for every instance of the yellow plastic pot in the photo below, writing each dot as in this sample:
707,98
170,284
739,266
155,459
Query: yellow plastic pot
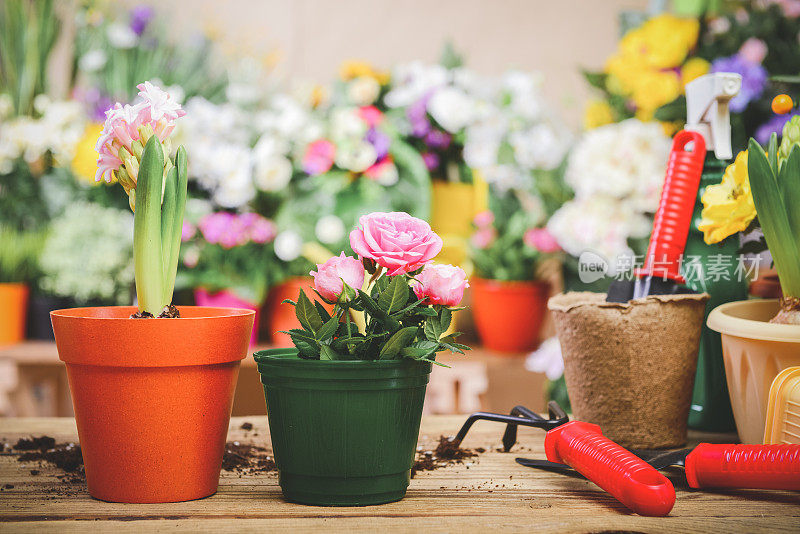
754,351
783,411
453,206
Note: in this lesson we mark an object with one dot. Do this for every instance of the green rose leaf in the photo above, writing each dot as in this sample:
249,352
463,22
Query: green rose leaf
395,296
328,329
307,314
399,340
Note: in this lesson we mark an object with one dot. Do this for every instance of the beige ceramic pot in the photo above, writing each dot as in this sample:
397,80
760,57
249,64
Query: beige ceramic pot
755,351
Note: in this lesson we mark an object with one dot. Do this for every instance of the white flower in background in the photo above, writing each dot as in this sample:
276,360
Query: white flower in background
356,157
93,60
363,91
120,35
272,171
523,89
232,169
412,81
538,147
547,359
600,224
329,229
347,125
452,108
387,174
6,106
506,176
624,160
482,141
288,245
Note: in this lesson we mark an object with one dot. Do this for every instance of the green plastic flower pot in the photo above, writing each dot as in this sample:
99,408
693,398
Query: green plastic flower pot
344,433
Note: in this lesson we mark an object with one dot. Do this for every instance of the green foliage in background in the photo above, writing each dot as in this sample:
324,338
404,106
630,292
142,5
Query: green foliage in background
19,255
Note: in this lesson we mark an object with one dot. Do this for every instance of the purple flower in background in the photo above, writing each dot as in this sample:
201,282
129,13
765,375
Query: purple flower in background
775,124
95,101
754,79
417,115
431,160
438,139
257,228
380,141
215,225
140,18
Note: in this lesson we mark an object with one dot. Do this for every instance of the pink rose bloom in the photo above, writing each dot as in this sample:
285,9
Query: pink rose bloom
441,284
319,156
483,219
753,50
483,238
541,239
330,277
371,115
187,231
395,240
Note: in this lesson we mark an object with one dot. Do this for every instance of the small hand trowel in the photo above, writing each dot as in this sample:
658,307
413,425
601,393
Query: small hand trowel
660,274
721,466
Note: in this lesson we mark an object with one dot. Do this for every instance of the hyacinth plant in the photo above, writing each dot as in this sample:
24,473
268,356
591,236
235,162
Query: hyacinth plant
775,183
134,149
407,302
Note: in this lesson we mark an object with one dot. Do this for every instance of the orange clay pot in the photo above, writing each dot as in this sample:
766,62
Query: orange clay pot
152,397
13,311
281,316
509,315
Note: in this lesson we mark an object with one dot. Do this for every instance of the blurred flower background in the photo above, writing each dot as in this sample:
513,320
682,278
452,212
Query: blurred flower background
518,167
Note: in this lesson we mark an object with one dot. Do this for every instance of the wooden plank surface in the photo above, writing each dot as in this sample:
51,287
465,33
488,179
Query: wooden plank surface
491,493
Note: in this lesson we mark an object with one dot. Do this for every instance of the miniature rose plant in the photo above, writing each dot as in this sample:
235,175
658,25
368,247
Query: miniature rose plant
407,301
135,148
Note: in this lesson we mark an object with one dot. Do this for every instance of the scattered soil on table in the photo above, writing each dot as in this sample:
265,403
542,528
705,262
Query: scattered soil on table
247,426
44,449
447,452
246,459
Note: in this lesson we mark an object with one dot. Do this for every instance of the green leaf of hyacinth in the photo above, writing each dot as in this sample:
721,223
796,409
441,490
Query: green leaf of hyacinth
328,329
168,212
395,296
775,224
789,182
772,152
399,340
307,314
147,251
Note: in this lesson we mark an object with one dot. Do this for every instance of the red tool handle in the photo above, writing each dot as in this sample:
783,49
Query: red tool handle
674,215
629,479
744,466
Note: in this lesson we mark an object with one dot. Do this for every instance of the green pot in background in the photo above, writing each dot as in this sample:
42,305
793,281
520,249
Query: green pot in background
344,433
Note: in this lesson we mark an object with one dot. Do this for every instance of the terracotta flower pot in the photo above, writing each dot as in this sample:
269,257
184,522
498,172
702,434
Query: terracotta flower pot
630,367
226,299
755,351
13,312
509,315
281,316
152,397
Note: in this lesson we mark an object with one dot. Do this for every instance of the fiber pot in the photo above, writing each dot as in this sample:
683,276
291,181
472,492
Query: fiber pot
13,312
509,315
344,433
227,299
630,367
754,351
152,397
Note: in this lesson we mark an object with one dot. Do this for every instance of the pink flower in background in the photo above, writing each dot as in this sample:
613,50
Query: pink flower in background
441,284
371,115
330,277
229,230
541,239
262,230
483,237
483,219
395,240
319,156
157,109
214,226
188,231
753,50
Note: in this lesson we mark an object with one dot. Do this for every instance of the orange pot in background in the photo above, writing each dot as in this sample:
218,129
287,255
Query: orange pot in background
509,315
281,316
152,397
13,311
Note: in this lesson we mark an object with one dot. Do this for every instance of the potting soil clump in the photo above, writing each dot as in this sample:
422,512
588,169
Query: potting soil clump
246,459
447,452
45,451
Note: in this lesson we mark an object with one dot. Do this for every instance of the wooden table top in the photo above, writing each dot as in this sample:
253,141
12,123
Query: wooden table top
490,493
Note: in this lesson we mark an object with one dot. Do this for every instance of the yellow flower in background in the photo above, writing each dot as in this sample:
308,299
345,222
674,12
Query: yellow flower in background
694,68
652,90
352,69
598,113
663,41
319,96
84,163
728,207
